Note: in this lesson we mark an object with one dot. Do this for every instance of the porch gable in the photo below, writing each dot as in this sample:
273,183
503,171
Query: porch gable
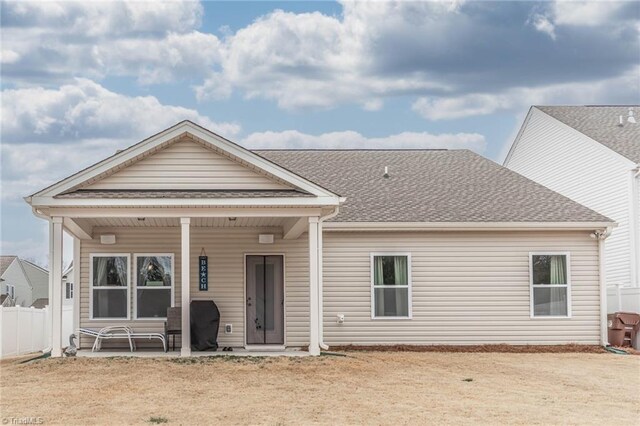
183,157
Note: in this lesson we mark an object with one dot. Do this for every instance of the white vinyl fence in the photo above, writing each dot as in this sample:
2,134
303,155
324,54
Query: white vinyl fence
25,330
623,299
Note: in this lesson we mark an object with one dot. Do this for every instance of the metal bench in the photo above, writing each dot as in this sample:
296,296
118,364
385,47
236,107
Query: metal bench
120,332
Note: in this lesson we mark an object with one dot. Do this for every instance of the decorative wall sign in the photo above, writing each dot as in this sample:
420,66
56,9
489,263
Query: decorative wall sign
203,273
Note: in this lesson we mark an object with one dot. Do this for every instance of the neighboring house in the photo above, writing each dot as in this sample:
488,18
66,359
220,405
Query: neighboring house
22,281
67,286
306,248
590,154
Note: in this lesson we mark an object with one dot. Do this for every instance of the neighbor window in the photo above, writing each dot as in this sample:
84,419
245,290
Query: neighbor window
68,291
550,285
109,286
11,291
391,282
154,285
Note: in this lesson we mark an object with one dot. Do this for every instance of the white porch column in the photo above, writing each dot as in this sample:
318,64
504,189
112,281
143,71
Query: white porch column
76,288
320,288
314,336
55,298
185,350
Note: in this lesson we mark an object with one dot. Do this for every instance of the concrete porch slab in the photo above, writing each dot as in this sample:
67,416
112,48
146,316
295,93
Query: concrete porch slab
86,353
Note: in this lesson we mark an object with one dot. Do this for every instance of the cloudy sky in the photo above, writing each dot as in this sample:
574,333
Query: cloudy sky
80,80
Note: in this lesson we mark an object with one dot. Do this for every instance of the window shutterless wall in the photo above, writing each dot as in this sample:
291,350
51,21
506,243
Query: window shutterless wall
467,288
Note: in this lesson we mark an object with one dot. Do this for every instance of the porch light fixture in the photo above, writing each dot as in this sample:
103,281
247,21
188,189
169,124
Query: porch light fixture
265,238
142,219
107,239
232,219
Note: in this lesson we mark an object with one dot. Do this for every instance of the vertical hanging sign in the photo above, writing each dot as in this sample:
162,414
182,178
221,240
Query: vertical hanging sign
203,271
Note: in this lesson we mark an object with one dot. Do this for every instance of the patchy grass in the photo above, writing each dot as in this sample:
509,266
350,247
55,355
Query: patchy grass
364,387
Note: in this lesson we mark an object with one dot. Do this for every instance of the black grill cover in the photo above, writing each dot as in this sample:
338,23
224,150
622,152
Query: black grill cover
205,321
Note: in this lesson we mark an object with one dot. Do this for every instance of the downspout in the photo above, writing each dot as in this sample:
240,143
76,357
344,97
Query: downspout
601,236
331,215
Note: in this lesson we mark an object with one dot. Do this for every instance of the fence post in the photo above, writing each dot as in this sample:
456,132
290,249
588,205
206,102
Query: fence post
17,329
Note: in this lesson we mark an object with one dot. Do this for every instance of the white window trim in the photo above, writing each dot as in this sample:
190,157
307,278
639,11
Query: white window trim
135,284
531,285
409,285
91,287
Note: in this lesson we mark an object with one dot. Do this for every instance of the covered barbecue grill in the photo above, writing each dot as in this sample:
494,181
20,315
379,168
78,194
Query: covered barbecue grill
205,322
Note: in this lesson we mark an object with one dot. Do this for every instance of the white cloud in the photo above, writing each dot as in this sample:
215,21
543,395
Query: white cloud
354,140
155,42
315,60
103,18
585,13
376,50
625,89
543,24
87,110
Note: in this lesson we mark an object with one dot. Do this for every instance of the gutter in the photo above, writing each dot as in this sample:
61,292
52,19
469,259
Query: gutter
331,215
466,226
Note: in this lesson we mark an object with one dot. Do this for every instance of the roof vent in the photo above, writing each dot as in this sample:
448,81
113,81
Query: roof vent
386,172
620,122
631,118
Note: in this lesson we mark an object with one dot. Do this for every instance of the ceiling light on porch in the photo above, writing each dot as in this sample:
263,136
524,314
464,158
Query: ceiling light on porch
232,219
265,239
107,239
142,219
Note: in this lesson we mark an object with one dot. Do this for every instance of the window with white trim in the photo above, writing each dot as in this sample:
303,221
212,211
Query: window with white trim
154,285
391,285
68,291
550,281
11,291
109,286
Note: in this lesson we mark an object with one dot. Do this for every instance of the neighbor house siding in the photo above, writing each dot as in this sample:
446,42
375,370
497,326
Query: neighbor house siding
570,163
225,249
14,275
186,165
468,288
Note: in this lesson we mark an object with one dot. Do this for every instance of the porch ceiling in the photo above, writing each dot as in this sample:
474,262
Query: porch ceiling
214,222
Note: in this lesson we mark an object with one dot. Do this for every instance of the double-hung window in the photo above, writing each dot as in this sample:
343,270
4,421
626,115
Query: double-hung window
154,285
109,286
550,285
391,285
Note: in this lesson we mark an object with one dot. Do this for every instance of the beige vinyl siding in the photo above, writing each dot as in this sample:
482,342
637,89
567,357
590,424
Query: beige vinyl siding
186,165
225,248
467,288
568,162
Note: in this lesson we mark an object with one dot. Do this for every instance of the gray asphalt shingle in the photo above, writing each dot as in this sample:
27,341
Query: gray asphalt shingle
429,186
601,123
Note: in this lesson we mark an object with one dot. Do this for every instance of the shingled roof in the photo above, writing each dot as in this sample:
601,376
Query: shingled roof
429,186
601,123
5,262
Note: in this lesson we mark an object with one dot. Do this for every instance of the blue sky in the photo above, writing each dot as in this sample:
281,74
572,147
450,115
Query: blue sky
80,80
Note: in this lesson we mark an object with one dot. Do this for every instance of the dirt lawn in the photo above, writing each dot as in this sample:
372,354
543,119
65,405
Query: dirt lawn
364,387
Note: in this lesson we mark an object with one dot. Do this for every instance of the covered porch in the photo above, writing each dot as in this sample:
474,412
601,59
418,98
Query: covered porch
229,238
